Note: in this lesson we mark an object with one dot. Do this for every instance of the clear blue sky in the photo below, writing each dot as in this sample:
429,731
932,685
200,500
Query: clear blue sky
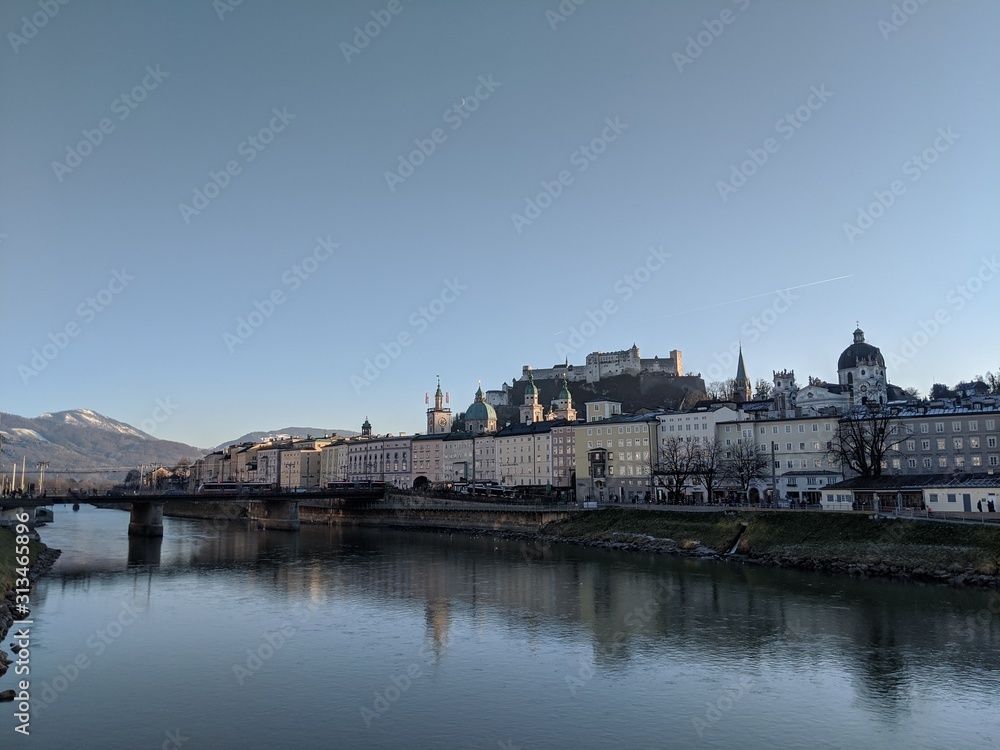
132,301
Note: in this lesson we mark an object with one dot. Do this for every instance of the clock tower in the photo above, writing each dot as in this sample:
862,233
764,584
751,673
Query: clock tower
438,418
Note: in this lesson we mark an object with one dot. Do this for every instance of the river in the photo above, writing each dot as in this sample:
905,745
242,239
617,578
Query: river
220,636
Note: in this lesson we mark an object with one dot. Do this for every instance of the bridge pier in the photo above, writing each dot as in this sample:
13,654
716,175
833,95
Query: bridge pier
146,519
278,515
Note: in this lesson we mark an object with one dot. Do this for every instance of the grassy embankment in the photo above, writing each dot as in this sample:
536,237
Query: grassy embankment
8,566
821,537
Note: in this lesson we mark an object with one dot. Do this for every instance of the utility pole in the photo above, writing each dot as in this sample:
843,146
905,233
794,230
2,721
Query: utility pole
774,487
41,466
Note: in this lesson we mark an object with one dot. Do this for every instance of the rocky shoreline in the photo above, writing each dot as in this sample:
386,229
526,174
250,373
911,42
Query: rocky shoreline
645,543
44,561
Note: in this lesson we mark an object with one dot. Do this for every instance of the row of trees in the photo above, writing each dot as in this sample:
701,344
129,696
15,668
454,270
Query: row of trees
710,464
860,445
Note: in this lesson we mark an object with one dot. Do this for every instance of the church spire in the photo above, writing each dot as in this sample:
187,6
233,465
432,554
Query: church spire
741,386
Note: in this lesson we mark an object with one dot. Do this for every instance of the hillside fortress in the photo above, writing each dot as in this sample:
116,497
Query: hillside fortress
600,365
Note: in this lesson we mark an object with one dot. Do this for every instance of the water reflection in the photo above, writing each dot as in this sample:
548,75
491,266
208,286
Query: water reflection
636,626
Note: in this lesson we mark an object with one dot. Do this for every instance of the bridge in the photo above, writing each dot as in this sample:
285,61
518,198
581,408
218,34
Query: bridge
277,511
285,512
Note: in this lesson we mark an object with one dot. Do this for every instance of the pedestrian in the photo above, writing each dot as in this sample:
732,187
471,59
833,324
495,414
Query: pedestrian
979,506
992,506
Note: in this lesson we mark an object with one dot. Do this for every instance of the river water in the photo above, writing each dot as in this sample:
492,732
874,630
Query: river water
220,636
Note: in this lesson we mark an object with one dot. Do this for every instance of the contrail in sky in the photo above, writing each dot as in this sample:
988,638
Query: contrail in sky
742,299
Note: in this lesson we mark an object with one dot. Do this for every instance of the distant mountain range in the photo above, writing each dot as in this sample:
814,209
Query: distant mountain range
258,437
83,444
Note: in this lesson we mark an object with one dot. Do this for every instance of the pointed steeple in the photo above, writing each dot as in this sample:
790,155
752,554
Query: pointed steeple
741,386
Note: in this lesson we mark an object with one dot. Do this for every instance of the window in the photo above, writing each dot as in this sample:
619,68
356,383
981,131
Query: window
959,461
977,460
788,446
991,424
911,463
816,445
927,462
923,427
940,444
994,460
952,497
925,445
802,446
777,465
761,430
943,462
774,430
973,425
939,427
932,497
958,443
956,426
973,442
802,428
991,442
791,464
911,445
815,427
590,431
895,463
788,428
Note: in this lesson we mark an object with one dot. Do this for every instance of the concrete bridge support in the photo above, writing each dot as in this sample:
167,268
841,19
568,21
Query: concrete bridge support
277,515
147,519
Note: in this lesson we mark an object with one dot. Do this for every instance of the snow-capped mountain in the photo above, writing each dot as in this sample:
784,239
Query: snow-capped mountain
83,444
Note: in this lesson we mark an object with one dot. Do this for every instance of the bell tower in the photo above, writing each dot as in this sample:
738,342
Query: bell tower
439,417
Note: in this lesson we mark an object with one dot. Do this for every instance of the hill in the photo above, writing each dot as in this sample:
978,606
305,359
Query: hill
81,444
286,432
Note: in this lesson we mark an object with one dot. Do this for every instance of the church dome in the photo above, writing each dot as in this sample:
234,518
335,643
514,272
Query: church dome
480,410
860,352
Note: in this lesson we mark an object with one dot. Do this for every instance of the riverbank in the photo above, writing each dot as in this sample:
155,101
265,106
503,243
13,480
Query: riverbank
843,543
41,559
851,544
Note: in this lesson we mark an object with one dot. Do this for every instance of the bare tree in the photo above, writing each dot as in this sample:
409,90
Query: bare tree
864,437
721,390
708,465
744,462
762,390
675,465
